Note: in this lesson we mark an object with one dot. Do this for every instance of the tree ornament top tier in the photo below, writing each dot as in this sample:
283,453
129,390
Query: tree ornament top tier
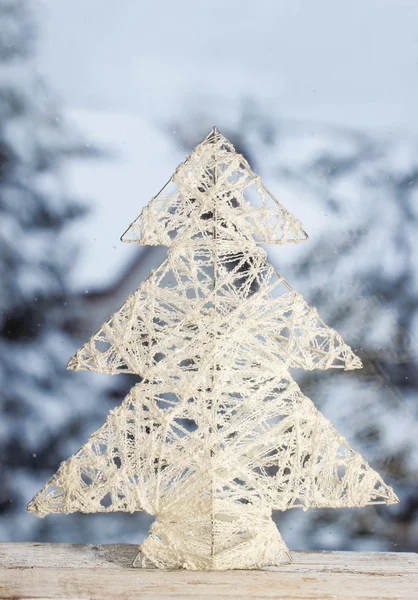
217,434
216,197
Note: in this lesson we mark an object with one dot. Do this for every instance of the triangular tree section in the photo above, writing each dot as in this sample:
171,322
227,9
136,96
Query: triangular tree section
184,209
170,318
273,449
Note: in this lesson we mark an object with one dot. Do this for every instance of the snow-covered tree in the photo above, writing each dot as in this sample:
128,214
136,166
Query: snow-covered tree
35,258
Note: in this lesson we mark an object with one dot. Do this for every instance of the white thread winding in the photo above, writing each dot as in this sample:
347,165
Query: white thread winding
217,434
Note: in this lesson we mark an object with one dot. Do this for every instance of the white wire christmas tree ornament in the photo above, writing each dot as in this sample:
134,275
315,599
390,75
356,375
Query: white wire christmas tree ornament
217,434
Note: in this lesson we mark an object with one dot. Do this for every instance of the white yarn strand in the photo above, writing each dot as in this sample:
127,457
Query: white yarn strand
217,434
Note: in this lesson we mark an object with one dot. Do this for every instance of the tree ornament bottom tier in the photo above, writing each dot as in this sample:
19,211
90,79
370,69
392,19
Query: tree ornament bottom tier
213,542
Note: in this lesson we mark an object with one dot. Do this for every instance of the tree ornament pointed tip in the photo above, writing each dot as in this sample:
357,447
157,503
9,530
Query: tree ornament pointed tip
212,136
127,235
305,236
72,364
32,508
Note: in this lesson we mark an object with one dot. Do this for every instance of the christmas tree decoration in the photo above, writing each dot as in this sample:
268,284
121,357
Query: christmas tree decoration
217,434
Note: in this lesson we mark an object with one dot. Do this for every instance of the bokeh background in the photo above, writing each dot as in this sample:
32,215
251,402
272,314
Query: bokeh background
99,102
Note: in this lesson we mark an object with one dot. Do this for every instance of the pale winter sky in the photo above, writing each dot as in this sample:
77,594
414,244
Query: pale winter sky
124,71
352,63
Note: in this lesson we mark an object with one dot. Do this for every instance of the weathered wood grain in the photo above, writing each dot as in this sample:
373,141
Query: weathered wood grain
56,571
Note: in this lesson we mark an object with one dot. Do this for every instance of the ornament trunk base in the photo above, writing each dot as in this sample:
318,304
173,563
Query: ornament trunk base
219,543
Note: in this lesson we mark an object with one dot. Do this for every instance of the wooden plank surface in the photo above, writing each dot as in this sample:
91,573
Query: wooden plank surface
55,571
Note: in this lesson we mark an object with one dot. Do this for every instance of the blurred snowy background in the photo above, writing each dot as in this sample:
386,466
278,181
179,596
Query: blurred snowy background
99,102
